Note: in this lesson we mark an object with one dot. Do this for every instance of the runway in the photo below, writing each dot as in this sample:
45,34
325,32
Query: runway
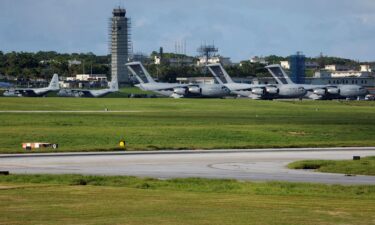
253,165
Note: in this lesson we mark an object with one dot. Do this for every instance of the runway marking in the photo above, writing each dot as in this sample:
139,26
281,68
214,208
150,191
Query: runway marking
187,152
20,166
244,167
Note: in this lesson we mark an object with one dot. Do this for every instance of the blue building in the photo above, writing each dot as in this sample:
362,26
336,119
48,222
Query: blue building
297,68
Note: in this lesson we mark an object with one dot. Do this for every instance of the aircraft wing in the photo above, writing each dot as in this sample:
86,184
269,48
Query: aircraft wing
75,93
252,87
25,92
171,88
314,87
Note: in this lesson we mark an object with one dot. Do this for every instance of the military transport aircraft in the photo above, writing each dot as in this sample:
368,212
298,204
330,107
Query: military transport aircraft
318,92
112,87
255,91
175,90
34,92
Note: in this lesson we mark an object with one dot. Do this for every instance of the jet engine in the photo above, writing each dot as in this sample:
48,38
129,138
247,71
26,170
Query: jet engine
320,91
272,90
180,91
333,91
77,94
195,90
258,91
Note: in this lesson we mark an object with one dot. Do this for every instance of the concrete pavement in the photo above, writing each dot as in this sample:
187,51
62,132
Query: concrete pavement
255,165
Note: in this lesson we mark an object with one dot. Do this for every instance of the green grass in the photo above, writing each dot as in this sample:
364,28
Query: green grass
365,166
76,199
186,123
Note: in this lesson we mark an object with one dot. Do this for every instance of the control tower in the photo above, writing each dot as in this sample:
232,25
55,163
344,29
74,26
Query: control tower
120,45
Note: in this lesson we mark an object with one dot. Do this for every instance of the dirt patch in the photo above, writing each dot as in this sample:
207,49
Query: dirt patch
297,133
4,187
10,186
334,213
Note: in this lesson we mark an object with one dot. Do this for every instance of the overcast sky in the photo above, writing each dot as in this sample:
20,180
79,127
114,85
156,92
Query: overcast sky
239,28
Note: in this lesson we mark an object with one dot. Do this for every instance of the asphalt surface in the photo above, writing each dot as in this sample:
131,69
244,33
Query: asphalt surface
255,165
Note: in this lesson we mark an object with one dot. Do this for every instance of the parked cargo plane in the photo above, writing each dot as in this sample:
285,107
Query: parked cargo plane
112,87
175,90
34,92
317,92
255,91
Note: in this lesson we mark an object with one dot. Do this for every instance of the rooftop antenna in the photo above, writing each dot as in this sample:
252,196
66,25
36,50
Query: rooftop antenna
185,47
207,51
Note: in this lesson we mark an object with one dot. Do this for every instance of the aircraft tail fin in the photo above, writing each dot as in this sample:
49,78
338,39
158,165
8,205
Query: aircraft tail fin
113,85
219,73
279,74
54,84
140,72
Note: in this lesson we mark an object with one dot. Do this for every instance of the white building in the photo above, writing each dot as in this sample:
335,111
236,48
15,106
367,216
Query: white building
285,64
74,62
225,61
367,68
308,65
322,74
174,61
336,68
70,79
91,77
340,74
196,80
350,73
257,59
64,84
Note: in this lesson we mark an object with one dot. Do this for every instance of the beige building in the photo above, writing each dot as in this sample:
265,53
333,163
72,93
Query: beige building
174,61
225,61
336,68
257,59
341,74
350,73
196,80
367,68
91,77
285,64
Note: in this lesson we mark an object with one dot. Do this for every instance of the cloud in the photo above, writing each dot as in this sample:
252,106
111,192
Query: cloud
240,28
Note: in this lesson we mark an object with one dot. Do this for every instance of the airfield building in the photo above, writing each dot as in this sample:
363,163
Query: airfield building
120,45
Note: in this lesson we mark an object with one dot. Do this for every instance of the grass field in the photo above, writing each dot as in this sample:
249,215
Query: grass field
74,199
185,123
365,166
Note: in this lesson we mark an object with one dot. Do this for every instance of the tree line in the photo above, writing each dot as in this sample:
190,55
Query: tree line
26,65
45,64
